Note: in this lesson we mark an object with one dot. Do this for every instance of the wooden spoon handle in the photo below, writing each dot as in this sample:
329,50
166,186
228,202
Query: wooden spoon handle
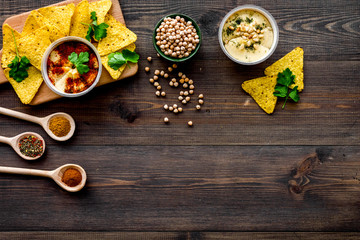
20,115
5,140
25,171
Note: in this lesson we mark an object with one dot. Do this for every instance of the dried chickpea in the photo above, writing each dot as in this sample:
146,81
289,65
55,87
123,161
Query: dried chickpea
191,82
171,108
166,75
184,101
149,59
180,109
156,84
201,101
180,74
190,123
187,98
157,93
198,107
176,111
186,93
163,93
181,98
166,120
147,69
201,95
157,72
185,85
174,66
166,107
176,84
191,87
181,81
155,78
181,93
162,73
170,69
158,87
151,80
191,91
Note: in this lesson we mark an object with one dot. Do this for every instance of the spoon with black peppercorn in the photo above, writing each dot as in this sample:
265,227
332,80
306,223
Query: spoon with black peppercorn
44,122
57,175
28,145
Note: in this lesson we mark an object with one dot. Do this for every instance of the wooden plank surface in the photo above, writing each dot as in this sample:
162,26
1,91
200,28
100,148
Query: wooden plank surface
237,174
45,94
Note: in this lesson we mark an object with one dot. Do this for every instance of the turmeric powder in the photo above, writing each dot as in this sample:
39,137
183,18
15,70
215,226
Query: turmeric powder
59,126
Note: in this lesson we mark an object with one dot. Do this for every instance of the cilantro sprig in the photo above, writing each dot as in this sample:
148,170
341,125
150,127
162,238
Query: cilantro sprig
19,65
95,30
79,60
117,59
282,89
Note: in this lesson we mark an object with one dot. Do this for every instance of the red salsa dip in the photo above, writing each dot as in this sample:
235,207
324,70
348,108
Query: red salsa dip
64,75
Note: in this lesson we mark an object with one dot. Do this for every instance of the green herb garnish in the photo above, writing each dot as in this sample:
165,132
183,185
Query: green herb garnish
284,80
249,20
19,65
117,59
79,60
96,31
238,21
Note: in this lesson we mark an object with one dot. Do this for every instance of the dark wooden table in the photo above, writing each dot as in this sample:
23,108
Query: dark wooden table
233,174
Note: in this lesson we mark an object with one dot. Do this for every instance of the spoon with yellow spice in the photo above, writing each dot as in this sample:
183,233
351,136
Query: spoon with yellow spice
59,126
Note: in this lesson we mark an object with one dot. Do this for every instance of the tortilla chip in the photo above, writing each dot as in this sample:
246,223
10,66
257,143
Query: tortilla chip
8,52
81,15
27,88
118,37
101,8
262,91
31,24
35,21
60,16
34,45
294,60
115,74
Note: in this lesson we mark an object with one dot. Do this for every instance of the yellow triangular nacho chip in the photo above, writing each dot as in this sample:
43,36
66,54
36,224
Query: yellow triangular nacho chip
34,45
101,8
262,91
118,37
27,88
8,52
35,21
81,15
115,74
60,16
294,60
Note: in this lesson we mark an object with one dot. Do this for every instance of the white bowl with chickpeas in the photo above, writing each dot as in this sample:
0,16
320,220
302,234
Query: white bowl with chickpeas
177,37
248,35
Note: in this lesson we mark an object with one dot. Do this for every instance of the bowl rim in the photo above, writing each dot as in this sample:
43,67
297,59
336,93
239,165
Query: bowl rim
198,31
46,56
272,22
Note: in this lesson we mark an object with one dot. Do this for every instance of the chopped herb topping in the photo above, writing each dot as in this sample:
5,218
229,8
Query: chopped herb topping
238,21
249,20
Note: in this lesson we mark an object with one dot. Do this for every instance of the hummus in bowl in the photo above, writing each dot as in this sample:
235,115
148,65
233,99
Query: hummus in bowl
248,35
71,66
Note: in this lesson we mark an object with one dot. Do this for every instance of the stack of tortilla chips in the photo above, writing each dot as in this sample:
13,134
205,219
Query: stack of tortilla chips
262,89
45,25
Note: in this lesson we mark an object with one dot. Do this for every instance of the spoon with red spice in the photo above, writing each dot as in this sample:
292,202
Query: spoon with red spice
28,145
76,181
45,122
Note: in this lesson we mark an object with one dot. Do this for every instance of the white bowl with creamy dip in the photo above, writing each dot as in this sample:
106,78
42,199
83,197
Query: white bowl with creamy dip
62,76
248,35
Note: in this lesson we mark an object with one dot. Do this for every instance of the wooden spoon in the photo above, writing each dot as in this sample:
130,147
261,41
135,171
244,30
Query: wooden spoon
44,122
14,143
56,175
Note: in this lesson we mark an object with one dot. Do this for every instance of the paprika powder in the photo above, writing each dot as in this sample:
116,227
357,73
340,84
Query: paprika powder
71,177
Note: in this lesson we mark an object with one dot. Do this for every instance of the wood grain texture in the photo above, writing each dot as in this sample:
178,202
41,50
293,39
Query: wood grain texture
188,188
237,174
181,235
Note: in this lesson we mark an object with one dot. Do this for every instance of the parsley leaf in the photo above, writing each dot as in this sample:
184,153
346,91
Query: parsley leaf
284,80
116,60
79,60
19,66
96,31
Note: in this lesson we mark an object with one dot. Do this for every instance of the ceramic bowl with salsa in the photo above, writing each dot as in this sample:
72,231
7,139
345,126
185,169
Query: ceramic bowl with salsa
248,35
67,77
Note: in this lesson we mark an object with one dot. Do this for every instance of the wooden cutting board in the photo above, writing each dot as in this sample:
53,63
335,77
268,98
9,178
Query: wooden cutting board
45,94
